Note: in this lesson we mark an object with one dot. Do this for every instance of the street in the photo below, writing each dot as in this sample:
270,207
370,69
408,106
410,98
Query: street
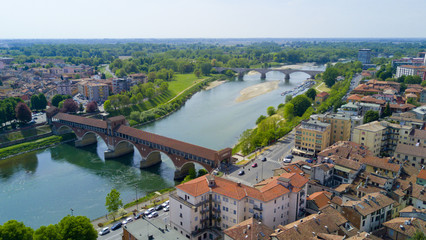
153,226
264,170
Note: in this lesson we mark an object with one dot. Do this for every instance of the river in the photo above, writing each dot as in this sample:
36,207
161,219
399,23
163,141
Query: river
41,187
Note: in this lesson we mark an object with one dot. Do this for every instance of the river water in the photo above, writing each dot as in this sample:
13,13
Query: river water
41,187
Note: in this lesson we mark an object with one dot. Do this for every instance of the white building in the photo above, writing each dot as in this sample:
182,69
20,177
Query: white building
64,88
410,70
201,208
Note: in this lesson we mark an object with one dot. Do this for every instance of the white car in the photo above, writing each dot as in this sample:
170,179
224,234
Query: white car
165,204
287,160
104,231
153,215
129,219
166,209
149,211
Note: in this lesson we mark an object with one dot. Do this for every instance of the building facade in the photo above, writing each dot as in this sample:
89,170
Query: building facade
205,204
312,137
364,56
340,126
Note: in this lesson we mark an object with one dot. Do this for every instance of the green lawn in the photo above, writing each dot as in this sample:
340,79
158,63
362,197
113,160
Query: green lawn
107,74
182,82
24,133
321,87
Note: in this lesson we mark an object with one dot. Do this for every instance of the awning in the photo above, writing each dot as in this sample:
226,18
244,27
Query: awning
343,169
295,150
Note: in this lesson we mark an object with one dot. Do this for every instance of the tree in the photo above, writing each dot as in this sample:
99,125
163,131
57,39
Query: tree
56,100
270,110
413,79
107,106
301,103
386,112
69,106
371,116
206,68
151,77
80,107
197,73
91,107
192,173
42,101
76,227
260,119
311,93
330,76
23,112
202,172
13,229
288,112
419,235
35,102
47,233
288,98
113,201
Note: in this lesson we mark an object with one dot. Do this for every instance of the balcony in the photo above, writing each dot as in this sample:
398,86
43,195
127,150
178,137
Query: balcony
257,208
205,210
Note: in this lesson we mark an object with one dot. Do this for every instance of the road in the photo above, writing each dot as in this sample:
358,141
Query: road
264,170
354,83
154,223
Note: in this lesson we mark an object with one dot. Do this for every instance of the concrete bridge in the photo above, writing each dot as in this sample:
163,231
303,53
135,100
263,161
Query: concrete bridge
263,71
122,139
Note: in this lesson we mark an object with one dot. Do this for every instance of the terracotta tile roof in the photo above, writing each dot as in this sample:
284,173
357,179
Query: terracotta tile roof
320,198
369,99
422,174
168,142
419,192
337,200
410,209
354,97
417,133
410,150
293,168
326,236
382,163
364,236
407,229
377,179
303,228
249,229
345,149
375,202
271,189
413,90
405,106
81,120
342,187
351,164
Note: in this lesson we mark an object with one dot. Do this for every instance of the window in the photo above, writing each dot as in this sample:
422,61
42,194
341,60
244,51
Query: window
196,218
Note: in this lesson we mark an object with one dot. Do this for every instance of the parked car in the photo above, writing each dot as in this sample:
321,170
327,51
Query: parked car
166,203
104,231
241,172
129,219
289,156
139,215
158,208
153,215
166,209
254,165
264,159
116,226
309,160
287,160
149,211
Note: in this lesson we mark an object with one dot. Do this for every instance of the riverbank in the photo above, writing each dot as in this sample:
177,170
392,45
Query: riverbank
257,90
297,66
214,84
26,147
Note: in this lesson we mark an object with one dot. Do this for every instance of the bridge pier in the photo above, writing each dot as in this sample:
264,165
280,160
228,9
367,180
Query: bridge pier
152,159
287,77
262,76
240,76
180,173
87,140
121,149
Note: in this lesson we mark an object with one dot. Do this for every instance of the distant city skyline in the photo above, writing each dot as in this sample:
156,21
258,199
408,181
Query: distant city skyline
49,19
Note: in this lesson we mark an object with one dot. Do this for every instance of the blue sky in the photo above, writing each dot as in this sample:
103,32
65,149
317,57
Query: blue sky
212,19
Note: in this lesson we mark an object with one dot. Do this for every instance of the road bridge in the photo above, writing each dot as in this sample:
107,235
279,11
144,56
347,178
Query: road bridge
122,139
263,71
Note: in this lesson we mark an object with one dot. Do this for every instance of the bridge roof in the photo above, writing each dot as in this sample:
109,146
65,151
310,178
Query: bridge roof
168,142
81,120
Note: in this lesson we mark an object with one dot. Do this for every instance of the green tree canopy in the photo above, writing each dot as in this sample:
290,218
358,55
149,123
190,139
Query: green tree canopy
270,111
47,233
301,103
371,116
113,201
311,93
13,229
107,106
260,119
386,112
76,227
329,76
288,98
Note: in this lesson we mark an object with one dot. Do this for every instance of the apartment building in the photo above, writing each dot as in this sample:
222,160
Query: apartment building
364,56
370,212
385,167
93,91
340,126
311,137
414,155
121,85
64,88
410,70
208,203
381,138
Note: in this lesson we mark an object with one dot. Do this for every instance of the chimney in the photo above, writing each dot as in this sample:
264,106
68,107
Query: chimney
326,227
239,184
295,227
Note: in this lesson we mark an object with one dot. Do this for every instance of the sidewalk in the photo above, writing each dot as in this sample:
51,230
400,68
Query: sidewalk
140,206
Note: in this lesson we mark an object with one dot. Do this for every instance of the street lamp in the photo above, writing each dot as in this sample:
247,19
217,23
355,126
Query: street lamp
72,210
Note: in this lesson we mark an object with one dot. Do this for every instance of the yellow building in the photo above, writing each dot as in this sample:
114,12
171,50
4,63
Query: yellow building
340,126
311,137
370,135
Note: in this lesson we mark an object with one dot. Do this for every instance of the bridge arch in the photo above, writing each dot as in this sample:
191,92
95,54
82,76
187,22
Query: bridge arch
62,129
